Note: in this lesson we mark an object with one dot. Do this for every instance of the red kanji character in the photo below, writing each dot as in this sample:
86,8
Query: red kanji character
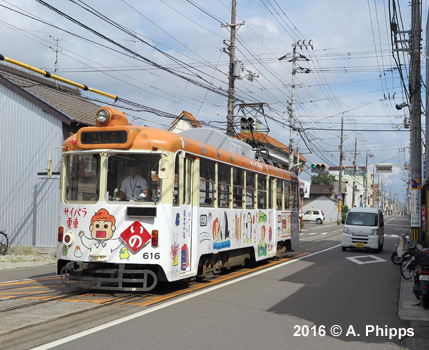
75,223
69,222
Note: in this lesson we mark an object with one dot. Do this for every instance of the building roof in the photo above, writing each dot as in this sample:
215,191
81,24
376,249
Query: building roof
266,139
62,101
189,117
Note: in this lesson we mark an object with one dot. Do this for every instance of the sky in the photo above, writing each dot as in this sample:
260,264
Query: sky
165,56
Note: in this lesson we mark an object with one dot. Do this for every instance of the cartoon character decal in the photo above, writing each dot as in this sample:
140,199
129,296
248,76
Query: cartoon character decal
248,236
262,246
174,254
102,228
221,234
124,253
185,258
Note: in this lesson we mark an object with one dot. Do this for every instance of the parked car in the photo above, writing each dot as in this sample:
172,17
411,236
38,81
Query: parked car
314,215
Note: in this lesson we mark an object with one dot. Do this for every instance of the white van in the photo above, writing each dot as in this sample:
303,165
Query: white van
363,228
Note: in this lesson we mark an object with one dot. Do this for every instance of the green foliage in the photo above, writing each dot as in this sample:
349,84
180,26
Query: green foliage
322,179
345,209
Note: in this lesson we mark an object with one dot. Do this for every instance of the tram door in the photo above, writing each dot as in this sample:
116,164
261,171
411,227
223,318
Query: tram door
186,246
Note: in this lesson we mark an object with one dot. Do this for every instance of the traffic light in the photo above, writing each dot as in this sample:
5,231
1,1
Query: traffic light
319,168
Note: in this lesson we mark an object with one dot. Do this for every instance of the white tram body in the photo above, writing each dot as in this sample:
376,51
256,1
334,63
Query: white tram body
206,209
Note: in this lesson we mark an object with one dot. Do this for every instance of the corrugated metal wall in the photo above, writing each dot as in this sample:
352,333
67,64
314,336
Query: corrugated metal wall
29,203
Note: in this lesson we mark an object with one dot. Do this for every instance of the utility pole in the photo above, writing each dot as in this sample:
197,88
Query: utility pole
295,57
340,177
354,174
231,86
415,116
366,179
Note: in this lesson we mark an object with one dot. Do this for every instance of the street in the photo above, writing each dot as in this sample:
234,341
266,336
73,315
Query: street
324,299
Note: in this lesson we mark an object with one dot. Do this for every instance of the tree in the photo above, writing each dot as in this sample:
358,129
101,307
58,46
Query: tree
322,179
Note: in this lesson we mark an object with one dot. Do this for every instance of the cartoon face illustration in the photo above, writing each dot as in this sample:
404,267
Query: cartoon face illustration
102,225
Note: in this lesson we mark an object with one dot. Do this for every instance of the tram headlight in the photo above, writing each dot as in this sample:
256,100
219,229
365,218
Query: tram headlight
68,238
103,116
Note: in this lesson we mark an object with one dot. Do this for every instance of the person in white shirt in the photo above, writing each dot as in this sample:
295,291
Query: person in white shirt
133,186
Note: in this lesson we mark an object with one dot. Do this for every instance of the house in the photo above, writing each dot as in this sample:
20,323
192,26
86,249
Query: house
36,115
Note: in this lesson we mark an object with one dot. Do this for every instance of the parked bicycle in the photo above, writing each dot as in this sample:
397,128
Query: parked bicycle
408,264
4,242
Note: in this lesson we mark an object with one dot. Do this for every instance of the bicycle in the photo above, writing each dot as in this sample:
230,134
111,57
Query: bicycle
408,263
4,242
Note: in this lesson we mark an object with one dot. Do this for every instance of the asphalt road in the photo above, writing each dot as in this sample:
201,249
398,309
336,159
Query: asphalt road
326,299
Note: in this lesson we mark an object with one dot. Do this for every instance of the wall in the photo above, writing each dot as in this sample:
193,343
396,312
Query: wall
29,205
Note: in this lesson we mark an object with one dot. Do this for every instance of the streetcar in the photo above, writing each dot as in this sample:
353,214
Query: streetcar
202,205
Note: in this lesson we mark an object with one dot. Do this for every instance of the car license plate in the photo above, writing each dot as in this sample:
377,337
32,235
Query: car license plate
359,245
424,277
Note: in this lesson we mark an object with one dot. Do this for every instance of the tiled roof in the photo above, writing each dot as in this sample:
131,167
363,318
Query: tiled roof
66,100
195,123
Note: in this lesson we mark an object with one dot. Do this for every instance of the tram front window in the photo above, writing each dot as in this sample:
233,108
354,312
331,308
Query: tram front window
133,177
82,177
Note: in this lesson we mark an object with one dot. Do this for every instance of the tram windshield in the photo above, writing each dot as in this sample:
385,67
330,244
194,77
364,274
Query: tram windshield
130,177
82,177
133,177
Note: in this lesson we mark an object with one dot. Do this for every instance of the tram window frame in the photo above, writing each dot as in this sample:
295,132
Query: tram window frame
262,191
238,187
80,175
250,189
187,176
294,195
207,182
279,194
223,185
177,181
287,194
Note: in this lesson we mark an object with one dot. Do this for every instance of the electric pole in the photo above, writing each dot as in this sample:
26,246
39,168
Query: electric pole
231,86
295,57
340,176
354,175
415,116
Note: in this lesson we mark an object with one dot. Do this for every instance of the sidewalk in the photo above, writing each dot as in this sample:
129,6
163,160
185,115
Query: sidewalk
410,310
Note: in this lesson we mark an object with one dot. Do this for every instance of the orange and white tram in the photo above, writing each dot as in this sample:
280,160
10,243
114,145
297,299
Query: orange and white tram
192,208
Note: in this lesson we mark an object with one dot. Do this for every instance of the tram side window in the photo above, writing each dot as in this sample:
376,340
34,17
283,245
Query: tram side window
294,195
279,194
176,181
133,176
250,190
287,194
238,183
262,191
207,182
224,184
82,177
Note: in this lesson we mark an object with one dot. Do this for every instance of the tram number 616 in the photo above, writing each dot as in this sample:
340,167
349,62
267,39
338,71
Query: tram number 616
151,256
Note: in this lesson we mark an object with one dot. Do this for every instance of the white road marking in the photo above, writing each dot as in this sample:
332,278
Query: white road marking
360,260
